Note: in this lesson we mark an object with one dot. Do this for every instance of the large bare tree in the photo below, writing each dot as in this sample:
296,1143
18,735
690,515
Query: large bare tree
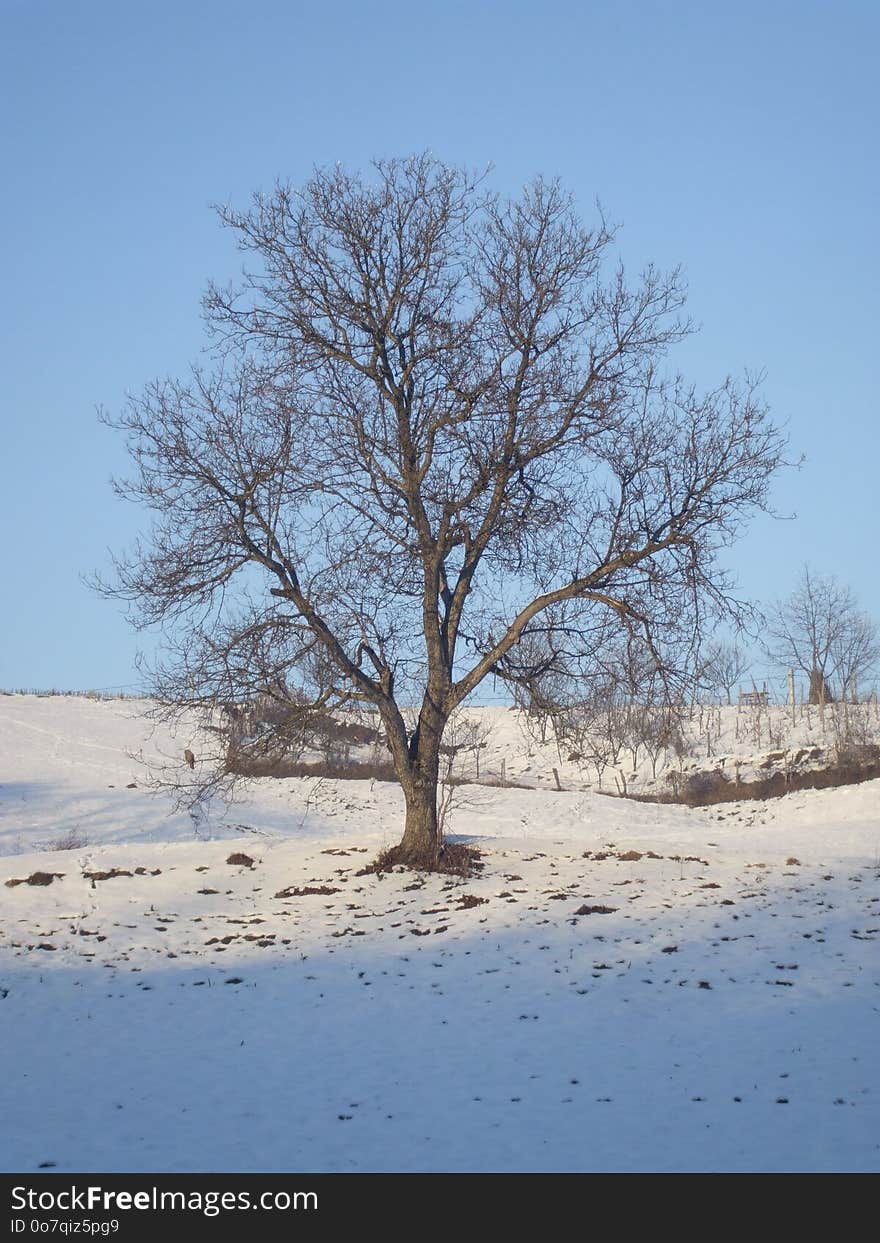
820,630
438,443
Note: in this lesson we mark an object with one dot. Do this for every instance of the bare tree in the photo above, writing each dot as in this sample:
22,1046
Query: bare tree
855,654
820,631
626,701
723,667
436,429
463,734
597,728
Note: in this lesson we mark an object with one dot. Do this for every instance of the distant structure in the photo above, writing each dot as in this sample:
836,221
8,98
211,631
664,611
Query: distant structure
754,697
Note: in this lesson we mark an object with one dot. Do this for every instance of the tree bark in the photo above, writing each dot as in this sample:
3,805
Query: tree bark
820,691
420,845
418,768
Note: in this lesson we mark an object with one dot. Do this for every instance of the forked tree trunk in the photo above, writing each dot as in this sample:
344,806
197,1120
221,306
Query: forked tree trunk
419,771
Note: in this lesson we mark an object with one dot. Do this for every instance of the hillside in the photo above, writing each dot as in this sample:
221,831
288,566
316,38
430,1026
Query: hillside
624,986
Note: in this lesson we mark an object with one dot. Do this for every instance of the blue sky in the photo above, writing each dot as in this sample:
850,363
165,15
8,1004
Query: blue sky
739,140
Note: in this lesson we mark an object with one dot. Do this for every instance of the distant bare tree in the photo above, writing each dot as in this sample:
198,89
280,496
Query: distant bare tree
820,631
436,428
722,667
855,654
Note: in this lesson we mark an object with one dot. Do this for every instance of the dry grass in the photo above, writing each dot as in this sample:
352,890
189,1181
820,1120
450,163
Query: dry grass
702,789
342,770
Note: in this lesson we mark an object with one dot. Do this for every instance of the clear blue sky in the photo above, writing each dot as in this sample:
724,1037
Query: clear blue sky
739,139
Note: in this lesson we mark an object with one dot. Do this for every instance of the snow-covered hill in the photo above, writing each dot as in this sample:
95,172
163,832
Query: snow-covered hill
624,986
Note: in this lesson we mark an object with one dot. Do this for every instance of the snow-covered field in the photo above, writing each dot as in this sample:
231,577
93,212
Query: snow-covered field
174,1011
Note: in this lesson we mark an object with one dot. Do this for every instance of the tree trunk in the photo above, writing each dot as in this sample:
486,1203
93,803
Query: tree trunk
417,765
820,691
420,846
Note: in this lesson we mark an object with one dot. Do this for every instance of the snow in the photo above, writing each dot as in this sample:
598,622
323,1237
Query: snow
723,1016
